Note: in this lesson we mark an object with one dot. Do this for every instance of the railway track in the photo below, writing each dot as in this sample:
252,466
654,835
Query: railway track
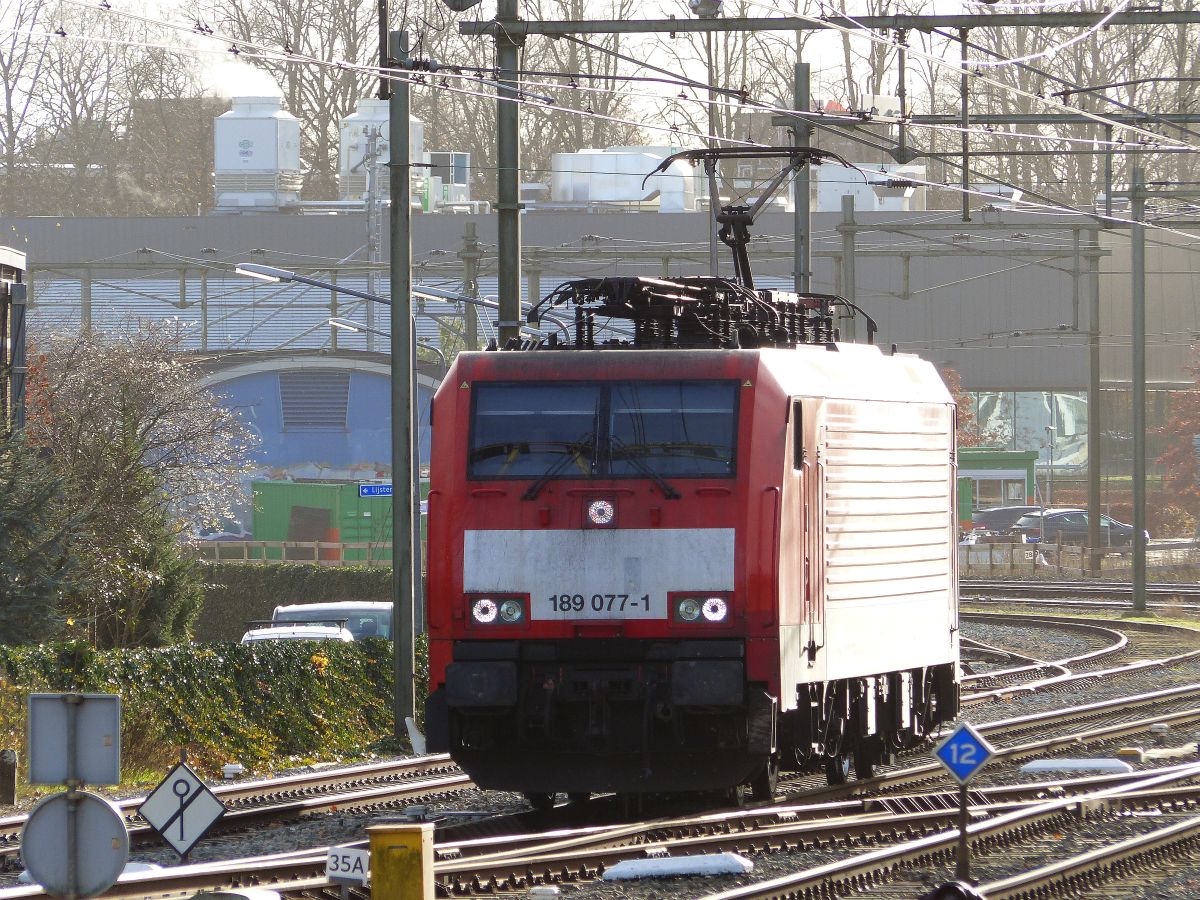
915,827
505,863
863,812
1184,595
1002,832
1157,646
252,803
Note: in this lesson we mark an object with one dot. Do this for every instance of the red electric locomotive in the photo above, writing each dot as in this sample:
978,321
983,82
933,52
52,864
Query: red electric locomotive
718,543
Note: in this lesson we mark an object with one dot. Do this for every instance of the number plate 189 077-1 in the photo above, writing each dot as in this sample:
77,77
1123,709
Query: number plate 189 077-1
593,605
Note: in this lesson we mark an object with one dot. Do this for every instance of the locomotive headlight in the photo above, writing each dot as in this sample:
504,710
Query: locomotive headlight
715,609
601,512
688,609
512,611
484,611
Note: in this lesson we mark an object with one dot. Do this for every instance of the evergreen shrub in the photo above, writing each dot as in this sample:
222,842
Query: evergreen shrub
261,705
235,594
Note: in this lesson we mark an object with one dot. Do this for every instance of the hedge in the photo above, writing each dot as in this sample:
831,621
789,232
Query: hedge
234,594
257,704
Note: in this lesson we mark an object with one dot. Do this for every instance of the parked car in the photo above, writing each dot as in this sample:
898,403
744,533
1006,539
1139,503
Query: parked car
1070,526
363,618
237,533
999,518
298,632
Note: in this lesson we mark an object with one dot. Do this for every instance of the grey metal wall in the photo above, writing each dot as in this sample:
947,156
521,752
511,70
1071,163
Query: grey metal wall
987,298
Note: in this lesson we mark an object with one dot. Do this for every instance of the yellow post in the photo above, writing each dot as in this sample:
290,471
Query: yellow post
401,861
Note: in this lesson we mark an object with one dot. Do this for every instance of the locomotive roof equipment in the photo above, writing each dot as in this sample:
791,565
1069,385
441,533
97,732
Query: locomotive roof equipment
705,311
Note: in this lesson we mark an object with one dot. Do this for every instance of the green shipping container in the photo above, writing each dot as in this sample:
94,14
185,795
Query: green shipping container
334,512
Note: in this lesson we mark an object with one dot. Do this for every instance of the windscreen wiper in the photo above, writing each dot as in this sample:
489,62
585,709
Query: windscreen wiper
645,468
573,452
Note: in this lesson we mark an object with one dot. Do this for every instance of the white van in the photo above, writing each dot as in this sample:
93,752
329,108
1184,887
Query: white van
298,632
363,619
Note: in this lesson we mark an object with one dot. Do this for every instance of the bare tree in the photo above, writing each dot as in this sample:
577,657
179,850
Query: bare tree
72,123
1073,175
320,96
22,59
144,455
592,99
732,59
458,114
106,407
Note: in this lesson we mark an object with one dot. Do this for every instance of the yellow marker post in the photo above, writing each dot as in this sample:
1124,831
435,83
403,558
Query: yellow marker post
401,861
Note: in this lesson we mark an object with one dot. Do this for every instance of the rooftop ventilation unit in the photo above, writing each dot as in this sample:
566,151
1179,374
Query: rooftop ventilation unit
354,152
257,156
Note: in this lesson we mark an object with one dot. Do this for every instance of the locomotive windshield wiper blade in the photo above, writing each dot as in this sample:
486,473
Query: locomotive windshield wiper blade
573,452
679,448
644,467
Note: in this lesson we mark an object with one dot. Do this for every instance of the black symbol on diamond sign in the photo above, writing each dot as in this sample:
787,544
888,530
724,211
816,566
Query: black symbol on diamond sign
181,809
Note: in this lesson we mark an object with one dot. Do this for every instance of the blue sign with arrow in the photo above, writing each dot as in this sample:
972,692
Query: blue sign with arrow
964,753
374,490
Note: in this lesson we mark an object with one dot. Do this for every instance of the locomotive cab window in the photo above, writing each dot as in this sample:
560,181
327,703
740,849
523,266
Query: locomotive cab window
526,430
672,428
603,429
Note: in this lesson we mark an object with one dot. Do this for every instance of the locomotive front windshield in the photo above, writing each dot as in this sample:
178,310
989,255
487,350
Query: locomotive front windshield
603,429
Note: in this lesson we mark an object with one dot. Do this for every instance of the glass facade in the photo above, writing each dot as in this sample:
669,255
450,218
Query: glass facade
1055,423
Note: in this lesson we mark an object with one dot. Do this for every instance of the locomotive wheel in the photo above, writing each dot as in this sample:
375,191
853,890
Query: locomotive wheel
837,768
542,802
762,787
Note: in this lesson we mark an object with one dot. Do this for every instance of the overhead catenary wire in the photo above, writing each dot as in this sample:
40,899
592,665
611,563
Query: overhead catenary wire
1050,76
867,34
278,55
1101,25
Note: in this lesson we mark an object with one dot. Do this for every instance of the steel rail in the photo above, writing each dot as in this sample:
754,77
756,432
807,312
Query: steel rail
1076,588
579,855
1069,677
1035,722
1082,871
1119,642
588,851
291,795
504,872
871,867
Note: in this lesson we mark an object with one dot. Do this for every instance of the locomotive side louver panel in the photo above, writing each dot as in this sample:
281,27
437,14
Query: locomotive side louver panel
888,502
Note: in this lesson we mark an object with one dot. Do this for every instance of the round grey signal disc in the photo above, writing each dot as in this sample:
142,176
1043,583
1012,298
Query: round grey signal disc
101,845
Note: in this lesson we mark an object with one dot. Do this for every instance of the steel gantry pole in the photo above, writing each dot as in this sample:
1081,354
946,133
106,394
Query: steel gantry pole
470,254
1137,196
405,537
1093,405
849,265
965,124
802,131
508,170
885,23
